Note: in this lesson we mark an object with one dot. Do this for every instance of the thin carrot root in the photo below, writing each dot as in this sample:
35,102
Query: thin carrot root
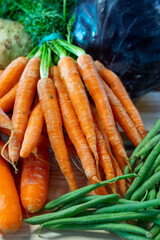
42,160
2,152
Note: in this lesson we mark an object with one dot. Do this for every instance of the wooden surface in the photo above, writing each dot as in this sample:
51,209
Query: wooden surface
149,107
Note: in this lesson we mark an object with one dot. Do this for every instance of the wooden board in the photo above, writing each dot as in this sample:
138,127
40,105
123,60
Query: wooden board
149,107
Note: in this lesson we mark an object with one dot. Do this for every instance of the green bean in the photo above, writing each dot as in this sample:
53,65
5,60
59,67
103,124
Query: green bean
158,195
71,196
155,129
102,218
149,145
152,193
142,173
83,199
129,207
157,237
157,169
155,229
131,236
152,181
69,211
143,198
136,170
102,226
153,168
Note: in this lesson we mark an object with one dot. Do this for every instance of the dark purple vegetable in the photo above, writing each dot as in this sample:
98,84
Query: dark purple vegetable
125,36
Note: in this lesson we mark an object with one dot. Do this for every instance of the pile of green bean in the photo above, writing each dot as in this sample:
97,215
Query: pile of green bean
78,211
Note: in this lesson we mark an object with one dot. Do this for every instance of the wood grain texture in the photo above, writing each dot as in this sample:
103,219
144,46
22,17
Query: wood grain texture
149,107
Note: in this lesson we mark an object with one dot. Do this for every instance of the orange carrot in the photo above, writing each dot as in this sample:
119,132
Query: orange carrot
122,117
119,90
10,209
7,101
104,157
5,121
33,130
34,184
76,92
24,97
5,131
51,112
118,172
11,75
97,92
73,128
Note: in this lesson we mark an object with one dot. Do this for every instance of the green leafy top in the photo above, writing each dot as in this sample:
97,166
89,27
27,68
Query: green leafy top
39,17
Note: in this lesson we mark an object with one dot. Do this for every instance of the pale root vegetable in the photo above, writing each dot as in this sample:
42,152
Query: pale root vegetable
95,87
119,90
74,130
76,92
14,42
33,130
52,116
7,101
11,75
24,97
35,177
10,209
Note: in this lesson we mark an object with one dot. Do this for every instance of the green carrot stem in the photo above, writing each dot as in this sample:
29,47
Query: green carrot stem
45,62
58,50
32,53
71,48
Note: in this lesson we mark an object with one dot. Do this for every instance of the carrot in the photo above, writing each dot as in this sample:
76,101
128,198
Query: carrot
5,121
76,92
34,184
73,128
23,101
119,90
33,130
104,157
11,75
122,117
51,112
7,101
118,172
72,151
10,209
95,87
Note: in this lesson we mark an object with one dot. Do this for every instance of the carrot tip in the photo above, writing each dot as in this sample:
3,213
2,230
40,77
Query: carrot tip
94,178
2,152
42,160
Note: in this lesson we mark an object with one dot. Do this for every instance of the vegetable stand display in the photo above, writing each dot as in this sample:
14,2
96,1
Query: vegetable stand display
58,96
148,106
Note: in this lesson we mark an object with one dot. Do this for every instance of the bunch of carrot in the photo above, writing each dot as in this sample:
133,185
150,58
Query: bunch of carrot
55,96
